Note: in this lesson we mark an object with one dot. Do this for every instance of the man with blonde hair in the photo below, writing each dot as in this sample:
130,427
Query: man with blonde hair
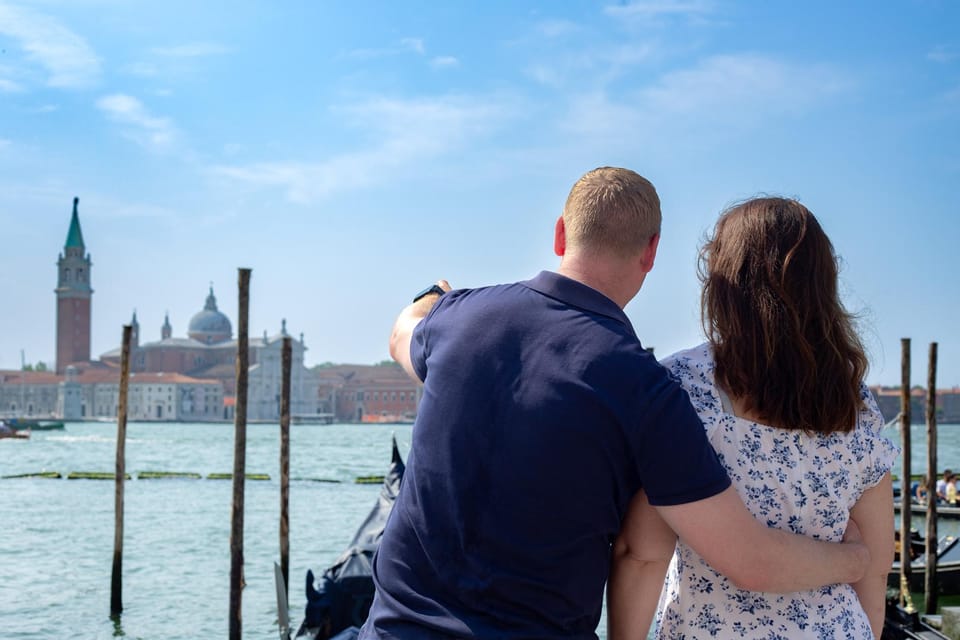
541,417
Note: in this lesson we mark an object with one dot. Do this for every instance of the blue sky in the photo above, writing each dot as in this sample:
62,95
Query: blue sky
351,153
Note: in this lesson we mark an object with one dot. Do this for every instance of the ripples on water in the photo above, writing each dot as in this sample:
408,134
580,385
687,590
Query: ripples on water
56,536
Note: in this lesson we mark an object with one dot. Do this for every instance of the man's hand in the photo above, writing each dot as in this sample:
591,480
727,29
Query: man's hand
852,534
406,322
422,307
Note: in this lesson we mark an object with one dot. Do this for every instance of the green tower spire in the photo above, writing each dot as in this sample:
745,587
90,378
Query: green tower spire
75,236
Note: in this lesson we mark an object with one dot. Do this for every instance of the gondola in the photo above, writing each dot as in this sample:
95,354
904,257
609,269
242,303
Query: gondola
948,566
338,605
944,511
900,624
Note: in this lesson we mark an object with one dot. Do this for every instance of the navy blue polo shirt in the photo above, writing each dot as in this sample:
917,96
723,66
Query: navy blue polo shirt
541,417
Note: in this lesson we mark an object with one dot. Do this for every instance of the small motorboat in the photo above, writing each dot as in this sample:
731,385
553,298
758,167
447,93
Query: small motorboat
6,431
34,424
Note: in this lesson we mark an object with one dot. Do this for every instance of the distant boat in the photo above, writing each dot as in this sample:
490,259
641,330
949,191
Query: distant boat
33,424
7,432
387,418
948,566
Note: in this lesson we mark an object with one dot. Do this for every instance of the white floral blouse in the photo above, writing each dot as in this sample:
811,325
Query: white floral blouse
790,480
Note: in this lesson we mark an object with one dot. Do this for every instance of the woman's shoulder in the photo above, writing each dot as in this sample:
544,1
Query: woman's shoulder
691,362
693,369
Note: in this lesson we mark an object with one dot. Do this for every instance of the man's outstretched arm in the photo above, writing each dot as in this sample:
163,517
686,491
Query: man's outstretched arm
404,325
758,558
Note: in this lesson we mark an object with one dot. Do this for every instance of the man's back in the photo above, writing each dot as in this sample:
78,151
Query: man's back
540,417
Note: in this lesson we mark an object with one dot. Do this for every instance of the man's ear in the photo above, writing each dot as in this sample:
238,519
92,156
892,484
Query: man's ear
560,238
650,254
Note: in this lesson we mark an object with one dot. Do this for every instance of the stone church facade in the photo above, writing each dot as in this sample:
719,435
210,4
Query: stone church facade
188,378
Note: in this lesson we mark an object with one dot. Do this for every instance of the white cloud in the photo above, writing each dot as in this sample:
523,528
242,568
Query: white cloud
142,69
730,91
597,65
546,75
67,58
404,46
9,86
648,9
557,28
191,50
413,44
174,60
943,54
406,132
147,130
750,82
443,62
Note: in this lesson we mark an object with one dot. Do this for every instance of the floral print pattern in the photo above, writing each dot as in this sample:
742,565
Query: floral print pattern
790,480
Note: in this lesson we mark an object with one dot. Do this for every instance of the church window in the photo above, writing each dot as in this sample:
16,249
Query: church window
66,275
79,275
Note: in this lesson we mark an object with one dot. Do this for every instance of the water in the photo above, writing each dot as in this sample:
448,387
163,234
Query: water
56,536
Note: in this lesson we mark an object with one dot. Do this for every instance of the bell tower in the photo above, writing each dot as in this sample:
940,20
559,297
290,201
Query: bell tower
73,298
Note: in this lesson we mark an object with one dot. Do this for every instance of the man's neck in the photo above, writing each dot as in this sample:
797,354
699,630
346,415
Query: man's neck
609,277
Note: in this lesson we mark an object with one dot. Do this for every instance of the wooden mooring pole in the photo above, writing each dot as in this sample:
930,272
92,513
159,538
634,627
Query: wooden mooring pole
930,586
286,357
905,497
239,457
116,578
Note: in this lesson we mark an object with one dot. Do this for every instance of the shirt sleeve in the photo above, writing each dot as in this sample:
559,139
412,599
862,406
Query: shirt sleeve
420,340
676,462
880,452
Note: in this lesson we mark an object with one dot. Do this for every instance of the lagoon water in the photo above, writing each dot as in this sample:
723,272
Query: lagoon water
56,535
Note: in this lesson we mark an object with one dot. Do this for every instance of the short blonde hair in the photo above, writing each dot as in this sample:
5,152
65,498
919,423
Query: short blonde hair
612,210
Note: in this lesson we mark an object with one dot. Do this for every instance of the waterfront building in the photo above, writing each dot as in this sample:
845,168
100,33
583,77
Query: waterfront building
209,353
191,378
948,404
368,393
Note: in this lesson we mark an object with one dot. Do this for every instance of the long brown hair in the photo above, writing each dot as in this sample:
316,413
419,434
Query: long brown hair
782,340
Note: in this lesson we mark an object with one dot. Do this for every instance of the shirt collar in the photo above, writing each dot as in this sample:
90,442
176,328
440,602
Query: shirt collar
577,294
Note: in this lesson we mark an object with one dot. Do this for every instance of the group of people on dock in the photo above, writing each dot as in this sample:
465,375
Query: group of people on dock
738,489
946,489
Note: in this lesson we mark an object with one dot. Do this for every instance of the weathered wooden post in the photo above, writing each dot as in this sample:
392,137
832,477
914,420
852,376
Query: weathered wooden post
287,357
930,575
116,579
905,470
239,457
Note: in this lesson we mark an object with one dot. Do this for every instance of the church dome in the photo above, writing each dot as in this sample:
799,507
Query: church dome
209,326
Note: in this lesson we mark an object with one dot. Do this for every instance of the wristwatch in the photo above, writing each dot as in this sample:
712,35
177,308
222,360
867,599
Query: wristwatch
434,288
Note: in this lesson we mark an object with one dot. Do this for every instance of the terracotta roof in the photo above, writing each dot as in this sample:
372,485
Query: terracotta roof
14,377
383,374
167,378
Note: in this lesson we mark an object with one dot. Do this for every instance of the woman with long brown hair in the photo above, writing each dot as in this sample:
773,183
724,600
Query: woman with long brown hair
779,388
